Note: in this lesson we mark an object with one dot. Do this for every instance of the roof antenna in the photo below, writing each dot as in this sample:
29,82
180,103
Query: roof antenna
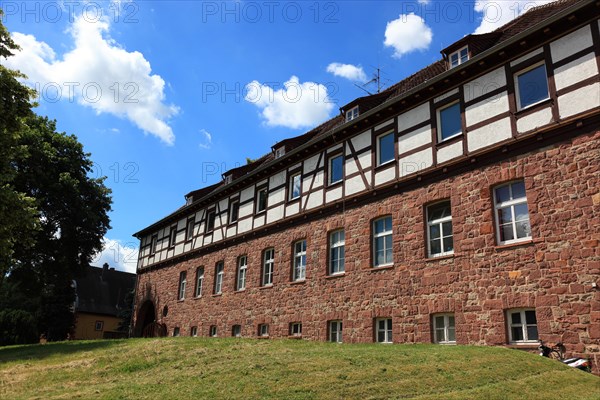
376,79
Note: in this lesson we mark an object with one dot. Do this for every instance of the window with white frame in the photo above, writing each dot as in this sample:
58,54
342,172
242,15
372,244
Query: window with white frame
511,213
236,331
449,121
182,283
234,211
336,169
280,151
241,272
268,266
199,281
176,331
337,244
385,148
444,329
382,242
335,331
263,330
194,331
218,278
189,229
228,179
212,331
439,229
523,326
172,236
352,113
295,188
296,329
99,325
383,331
299,272
210,221
261,200
459,57
531,86
153,244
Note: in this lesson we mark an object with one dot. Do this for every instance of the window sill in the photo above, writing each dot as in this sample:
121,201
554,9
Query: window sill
217,295
527,242
440,258
382,268
294,200
385,165
240,290
533,107
259,213
197,297
298,282
333,276
450,141
180,300
266,287
335,184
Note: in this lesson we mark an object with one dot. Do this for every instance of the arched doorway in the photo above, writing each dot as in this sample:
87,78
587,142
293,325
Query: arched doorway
146,317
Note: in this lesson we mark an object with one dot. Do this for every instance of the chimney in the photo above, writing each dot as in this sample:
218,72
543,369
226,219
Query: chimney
104,269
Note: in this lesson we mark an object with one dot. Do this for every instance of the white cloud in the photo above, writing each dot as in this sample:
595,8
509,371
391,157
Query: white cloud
294,105
424,1
118,255
496,13
207,139
98,73
406,34
348,71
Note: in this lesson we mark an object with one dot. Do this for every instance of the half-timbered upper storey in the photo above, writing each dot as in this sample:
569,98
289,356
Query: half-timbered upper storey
489,95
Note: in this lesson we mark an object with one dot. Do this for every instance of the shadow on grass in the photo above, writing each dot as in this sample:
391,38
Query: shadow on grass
41,351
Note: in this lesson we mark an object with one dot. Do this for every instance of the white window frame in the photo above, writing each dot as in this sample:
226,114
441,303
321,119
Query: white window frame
439,122
194,331
523,325
352,114
511,203
153,244
296,329
219,272
458,57
258,194
378,149
212,331
279,152
263,330
337,245
336,331
181,286
377,235
440,223
299,271
517,89
210,215
445,328
268,266
330,177
199,281
189,229
241,273
236,331
233,204
228,179
387,331
293,177
173,236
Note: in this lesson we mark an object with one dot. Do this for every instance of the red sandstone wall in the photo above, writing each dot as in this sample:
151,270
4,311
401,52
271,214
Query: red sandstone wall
554,273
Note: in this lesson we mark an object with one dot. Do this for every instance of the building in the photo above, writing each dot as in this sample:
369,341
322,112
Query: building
461,205
102,294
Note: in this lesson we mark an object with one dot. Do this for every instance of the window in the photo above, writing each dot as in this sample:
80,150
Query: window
299,272
531,86
512,214
385,148
172,236
296,329
279,152
295,188
199,281
236,331
176,331
182,282
384,330
99,325
212,331
336,252
336,169
194,331
352,113
443,329
459,57
153,243
261,200
228,179
189,229
449,122
523,326
210,221
268,266
234,211
219,277
335,331
382,242
439,229
241,272
263,330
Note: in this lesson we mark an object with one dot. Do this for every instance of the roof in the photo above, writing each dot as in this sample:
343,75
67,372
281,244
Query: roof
103,290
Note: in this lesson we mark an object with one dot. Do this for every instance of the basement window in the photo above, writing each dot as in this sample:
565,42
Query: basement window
523,326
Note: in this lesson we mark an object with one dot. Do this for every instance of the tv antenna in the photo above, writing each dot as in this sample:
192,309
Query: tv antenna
376,79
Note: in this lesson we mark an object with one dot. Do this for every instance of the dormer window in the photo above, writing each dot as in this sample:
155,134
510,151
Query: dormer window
228,179
188,200
352,113
279,152
459,57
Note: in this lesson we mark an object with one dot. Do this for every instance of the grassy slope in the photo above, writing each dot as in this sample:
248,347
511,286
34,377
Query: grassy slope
181,368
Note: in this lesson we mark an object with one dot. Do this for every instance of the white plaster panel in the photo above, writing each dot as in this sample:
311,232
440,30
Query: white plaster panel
486,109
292,209
415,162
334,148
310,164
361,141
230,231
383,125
527,56
277,196
446,95
217,235
244,225
489,82
354,185
246,209
206,240
181,224
350,166
295,166
385,176
449,152
275,214
575,71
413,117
223,205
489,134
315,199
414,139
333,194
246,194
259,221
277,179
179,249
571,44
365,159
579,100
537,119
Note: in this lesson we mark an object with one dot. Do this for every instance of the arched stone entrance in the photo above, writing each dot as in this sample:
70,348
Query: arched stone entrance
145,319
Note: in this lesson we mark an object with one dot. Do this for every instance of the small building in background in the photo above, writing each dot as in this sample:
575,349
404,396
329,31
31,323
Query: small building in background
103,295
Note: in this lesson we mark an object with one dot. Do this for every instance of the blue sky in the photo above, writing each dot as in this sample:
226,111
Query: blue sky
167,95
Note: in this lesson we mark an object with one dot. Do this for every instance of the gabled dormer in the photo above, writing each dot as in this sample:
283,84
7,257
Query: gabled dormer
278,150
227,178
352,113
468,47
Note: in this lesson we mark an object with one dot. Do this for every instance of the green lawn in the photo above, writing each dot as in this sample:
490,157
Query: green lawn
202,368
